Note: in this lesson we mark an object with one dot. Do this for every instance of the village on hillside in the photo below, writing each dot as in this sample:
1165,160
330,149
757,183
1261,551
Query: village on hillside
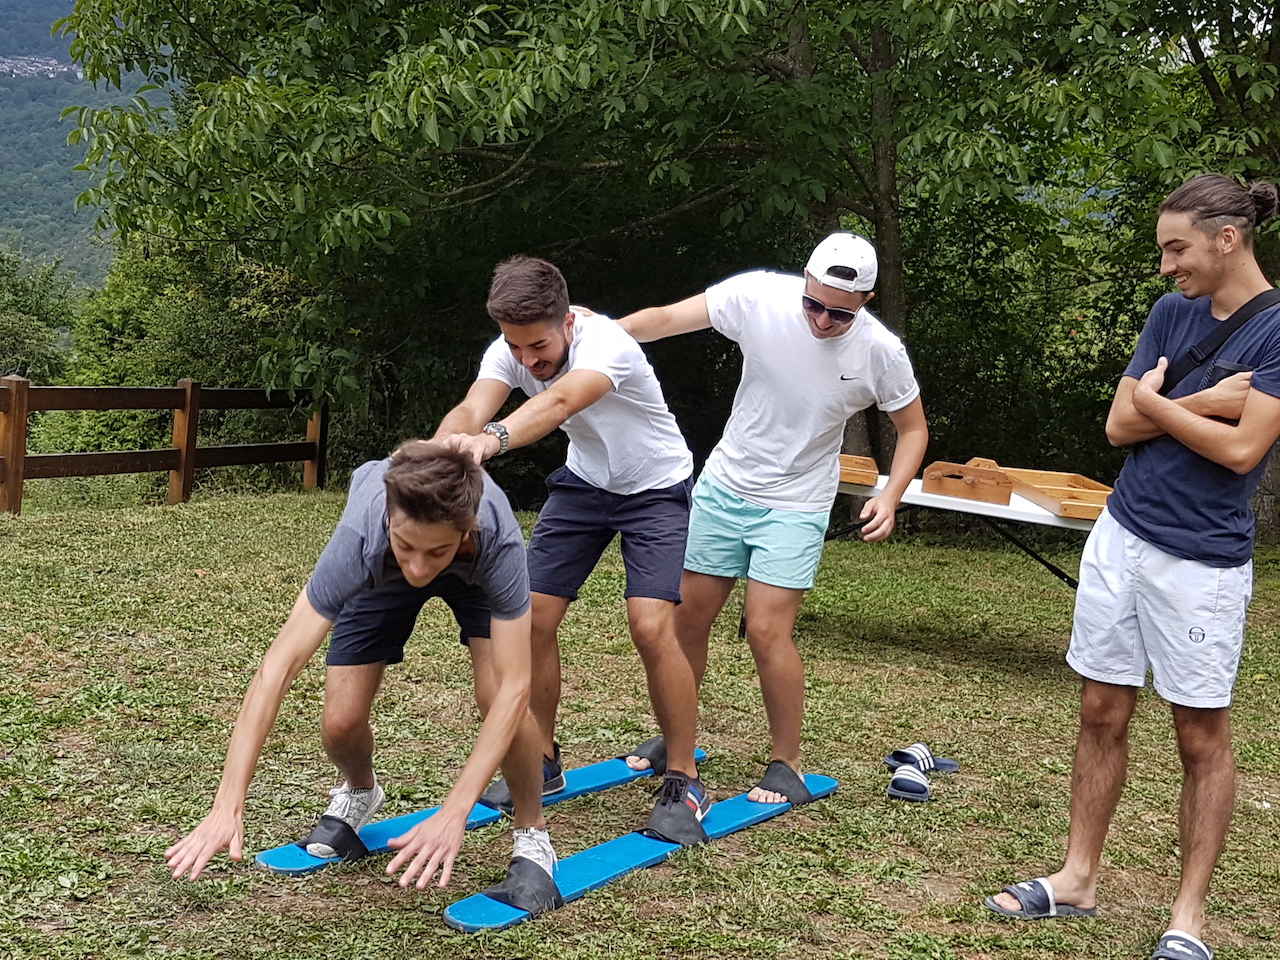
36,67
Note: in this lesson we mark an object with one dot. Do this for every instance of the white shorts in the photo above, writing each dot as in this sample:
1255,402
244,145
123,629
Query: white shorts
1138,607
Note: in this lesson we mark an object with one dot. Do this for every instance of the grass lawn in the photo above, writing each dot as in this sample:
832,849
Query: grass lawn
131,634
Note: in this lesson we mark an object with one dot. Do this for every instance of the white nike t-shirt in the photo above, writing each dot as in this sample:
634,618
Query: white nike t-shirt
628,440
779,447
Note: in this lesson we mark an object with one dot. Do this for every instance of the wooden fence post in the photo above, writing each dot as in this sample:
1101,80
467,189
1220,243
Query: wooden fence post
185,419
313,471
13,442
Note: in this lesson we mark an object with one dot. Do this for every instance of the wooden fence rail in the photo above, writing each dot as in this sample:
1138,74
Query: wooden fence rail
18,400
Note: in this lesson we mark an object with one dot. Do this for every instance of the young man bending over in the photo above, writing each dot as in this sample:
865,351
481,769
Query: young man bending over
427,522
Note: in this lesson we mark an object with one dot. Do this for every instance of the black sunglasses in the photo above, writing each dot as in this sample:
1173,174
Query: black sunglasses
816,308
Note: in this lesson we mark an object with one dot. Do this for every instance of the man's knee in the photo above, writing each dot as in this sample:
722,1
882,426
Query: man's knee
1106,709
652,625
1204,737
344,723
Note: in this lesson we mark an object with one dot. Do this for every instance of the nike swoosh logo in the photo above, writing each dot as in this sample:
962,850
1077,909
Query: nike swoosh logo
843,377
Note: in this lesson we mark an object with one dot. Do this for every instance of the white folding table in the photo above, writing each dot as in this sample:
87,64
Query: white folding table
1019,508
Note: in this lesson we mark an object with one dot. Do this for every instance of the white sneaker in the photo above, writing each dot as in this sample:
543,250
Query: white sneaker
356,807
534,844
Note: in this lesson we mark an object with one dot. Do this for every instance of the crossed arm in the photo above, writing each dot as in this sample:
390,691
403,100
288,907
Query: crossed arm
532,420
1138,412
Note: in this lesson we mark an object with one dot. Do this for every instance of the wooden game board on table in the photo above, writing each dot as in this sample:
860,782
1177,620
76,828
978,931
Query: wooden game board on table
993,493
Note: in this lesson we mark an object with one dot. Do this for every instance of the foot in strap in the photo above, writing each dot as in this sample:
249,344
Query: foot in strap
498,795
677,816
349,810
530,883
650,755
780,784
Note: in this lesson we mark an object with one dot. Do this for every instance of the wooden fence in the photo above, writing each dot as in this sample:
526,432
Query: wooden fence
18,400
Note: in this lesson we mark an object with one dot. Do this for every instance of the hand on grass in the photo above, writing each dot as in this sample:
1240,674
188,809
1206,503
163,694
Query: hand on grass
431,845
218,831
881,514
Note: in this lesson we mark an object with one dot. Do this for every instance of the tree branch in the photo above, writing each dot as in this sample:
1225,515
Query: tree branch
1205,70
208,41
685,207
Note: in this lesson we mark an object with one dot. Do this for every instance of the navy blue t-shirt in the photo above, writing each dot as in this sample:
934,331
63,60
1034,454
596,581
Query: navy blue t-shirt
1167,494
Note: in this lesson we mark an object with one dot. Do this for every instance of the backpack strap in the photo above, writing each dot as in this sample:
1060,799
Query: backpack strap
1207,347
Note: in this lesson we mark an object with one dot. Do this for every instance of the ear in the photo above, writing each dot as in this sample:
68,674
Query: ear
568,322
871,295
1229,239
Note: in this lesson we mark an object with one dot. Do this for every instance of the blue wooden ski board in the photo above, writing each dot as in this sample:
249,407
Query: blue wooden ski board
602,864
293,860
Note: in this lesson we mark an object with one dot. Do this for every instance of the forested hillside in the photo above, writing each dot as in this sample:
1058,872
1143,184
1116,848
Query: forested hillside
24,28
38,179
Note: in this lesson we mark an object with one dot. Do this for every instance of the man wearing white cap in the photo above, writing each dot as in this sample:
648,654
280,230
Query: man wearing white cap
813,356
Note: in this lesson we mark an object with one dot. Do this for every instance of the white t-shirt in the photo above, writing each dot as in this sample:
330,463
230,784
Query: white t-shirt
779,447
625,442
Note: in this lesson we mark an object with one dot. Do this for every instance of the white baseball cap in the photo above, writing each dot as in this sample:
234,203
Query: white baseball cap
844,250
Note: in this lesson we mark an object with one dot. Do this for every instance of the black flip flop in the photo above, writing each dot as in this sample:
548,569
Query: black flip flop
780,778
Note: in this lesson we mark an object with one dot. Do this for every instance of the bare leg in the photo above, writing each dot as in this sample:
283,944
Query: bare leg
1097,779
703,596
771,619
522,765
344,725
544,700
1208,799
671,688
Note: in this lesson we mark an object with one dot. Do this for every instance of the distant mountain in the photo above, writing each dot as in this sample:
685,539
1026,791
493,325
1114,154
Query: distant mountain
38,180
25,26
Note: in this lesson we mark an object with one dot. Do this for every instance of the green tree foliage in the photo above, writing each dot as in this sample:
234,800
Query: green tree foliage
391,151
36,310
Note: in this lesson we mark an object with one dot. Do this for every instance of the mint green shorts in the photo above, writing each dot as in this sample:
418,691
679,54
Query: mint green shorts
731,537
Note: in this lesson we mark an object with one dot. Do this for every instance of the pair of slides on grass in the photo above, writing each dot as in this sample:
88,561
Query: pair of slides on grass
526,892
909,766
1036,901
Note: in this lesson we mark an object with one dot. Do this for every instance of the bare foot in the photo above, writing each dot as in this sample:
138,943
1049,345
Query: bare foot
638,763
1063,893
758,795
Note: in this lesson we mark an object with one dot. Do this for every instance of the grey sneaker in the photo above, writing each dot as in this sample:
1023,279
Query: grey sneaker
355,807
534,844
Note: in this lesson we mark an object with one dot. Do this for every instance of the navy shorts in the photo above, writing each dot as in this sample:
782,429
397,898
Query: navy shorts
375,625
579,520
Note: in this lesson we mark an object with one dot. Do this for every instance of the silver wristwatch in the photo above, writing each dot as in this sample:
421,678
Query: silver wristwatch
499,431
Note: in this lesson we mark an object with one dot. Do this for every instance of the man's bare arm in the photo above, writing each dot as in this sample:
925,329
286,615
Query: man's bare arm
658,323
1125,424
539,415
483,400
1239,447
913,441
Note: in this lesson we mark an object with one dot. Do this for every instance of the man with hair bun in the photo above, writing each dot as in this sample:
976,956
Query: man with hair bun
425,522
1167,572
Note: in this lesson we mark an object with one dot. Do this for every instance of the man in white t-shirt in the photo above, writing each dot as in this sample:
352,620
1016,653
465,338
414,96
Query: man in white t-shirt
813,356
628,472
